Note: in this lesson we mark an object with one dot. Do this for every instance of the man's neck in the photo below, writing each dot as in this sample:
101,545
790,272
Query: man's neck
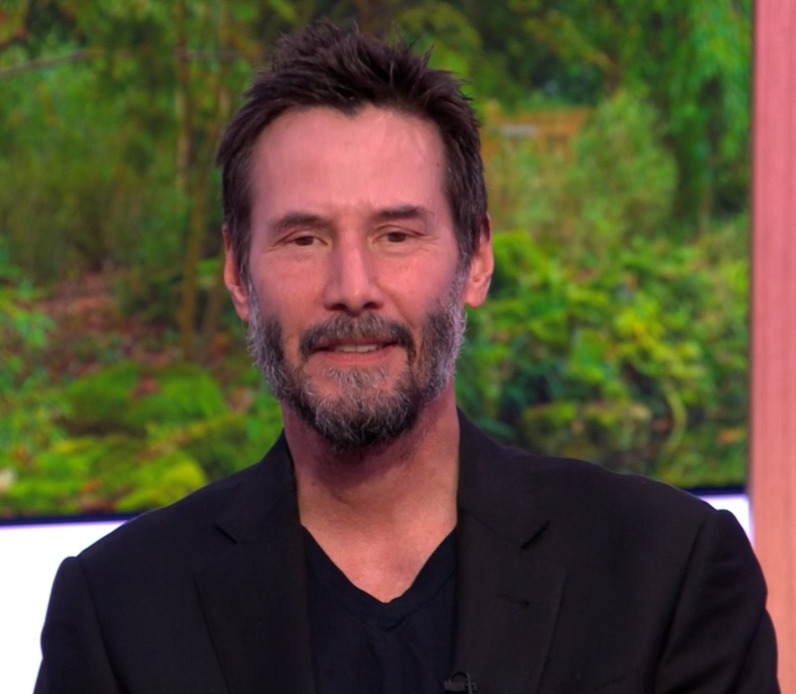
379,514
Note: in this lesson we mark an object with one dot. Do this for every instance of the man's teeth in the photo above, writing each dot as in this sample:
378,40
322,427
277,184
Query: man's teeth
356,348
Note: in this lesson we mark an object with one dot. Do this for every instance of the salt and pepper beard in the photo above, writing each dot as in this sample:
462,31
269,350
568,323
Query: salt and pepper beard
361,414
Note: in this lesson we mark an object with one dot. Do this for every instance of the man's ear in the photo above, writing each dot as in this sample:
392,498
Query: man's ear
238,289
482,264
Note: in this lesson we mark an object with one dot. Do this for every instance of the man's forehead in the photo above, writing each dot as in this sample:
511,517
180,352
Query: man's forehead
295,122
381,151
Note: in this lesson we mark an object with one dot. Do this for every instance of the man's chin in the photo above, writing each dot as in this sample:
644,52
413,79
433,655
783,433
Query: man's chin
349,424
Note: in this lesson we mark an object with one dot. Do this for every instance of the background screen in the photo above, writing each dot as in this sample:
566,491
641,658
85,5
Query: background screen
616,144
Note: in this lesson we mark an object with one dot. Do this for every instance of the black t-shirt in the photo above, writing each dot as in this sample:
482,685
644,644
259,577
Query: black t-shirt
363,645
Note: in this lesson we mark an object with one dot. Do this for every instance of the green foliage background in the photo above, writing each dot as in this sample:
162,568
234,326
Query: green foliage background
616,328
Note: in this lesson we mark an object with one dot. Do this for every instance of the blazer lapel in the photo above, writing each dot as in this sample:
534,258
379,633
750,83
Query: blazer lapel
254,594
507,598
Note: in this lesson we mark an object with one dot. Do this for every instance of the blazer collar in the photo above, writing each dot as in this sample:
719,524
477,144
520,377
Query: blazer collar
253,594
507,597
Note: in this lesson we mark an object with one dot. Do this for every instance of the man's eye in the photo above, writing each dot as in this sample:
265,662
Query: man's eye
304,240
396,236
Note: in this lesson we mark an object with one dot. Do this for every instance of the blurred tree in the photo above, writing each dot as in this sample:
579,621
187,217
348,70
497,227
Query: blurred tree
161,79
375,17
690,59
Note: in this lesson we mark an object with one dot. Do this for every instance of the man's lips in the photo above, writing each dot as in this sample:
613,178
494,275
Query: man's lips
343,335
354,347
357,349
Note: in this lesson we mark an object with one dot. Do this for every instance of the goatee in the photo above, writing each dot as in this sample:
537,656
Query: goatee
363,412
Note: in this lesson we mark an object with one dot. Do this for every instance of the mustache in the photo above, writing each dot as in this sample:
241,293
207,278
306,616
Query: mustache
367,327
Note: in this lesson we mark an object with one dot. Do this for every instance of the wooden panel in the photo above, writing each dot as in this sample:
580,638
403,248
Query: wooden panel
773,392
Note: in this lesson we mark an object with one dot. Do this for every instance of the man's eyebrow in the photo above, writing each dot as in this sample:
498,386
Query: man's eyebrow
402,212
297,219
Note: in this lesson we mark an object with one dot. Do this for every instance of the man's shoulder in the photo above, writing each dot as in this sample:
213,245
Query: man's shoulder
190,517
594,522
201,523
571,493
591,483
488,457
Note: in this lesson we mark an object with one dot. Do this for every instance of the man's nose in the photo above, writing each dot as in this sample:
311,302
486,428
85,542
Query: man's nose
352,279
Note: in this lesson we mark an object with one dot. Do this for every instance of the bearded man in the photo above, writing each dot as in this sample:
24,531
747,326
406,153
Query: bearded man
384,543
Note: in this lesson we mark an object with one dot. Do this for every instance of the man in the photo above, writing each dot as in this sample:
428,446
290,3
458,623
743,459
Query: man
384,544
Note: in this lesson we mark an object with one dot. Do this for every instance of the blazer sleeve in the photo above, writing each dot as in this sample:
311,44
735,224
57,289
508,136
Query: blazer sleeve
74,658
721,638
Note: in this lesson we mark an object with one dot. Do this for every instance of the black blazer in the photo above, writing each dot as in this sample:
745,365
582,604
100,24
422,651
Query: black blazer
570,579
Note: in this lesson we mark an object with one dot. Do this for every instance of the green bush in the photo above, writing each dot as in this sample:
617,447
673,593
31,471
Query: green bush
614,182
159,479
73,475
71,202
127,438
23,329
29,408
178,394
100,402
100,474
640,366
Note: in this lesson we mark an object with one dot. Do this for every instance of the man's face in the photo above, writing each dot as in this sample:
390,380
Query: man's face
355,293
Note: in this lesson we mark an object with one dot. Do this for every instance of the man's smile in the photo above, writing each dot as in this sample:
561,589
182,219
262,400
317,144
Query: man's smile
356,352
368,335
358,349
